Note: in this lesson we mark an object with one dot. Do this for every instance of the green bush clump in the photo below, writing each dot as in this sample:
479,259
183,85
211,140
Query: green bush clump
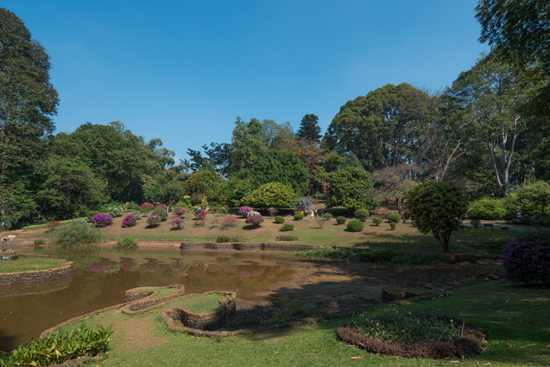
392,226
77,235
328,253
377,220
78,221
327,216
340,220
394,217
486,208
161,213
222,238
59,346
127,243
376,256
298,216
287,238
475,223
355,225
286,227
115,210
362,214
137,214
412,260
279,219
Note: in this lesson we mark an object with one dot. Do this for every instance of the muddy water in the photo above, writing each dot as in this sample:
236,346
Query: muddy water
100,279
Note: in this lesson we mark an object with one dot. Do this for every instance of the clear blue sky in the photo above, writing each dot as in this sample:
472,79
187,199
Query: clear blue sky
182,71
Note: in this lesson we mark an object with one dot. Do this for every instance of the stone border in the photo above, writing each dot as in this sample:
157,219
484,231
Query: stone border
139,301
246,246
37,276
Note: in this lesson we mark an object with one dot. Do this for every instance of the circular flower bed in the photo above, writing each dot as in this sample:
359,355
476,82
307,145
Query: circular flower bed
414,336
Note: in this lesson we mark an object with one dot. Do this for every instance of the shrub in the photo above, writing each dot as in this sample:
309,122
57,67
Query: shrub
177,222
77,235
279,219
39,242
115,211
272,212
392,226
60,346
287,238
244,210
355,225
327,216
255,220
376,256
91,213
252,213
286,227
127,243
394,217
161,213
52,225
129,221
154,220
303,204
504,228
222,238
137,214
273,194
298,216
228,222
341,220
179,211
412,260
475,223
527,258
487,209
320,222
147,207
377,220
78,221
102,220
362,214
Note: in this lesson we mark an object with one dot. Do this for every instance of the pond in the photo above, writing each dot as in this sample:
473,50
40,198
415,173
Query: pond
100,279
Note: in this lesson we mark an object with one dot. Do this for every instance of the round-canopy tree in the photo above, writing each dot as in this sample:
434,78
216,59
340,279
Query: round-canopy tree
439,208
348,188
273,194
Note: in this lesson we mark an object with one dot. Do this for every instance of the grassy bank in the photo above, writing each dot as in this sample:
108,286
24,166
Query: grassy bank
24,263
514,320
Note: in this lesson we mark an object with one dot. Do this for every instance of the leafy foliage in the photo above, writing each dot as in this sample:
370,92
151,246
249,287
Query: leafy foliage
487,209
437,207
527,258
340,220
355,225
60,346
303,204
377,220
161,213
348,188
394,217
256,220
273,194
475,223
530,198
279,219
287,238
361,214
310,130
393,225
127,243
298,216
77,235
286,227
377,255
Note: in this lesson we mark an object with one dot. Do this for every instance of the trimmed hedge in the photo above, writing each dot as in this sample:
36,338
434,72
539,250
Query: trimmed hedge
340,220
286,227
298,216
362,214
279,219
355,225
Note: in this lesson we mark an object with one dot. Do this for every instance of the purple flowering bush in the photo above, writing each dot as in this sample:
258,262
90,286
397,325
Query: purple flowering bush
244,210
154,220
102,220
527,258
255,220
303,204
129,221
177,222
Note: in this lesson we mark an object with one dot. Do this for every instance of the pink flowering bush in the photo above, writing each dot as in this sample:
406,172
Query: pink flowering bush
147,207
53,224
129,221
180,211
255,220
228,222
154,220
177,222
202,220
244,210
102,220
527,258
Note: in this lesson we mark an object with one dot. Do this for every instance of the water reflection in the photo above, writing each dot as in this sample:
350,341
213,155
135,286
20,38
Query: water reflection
100,279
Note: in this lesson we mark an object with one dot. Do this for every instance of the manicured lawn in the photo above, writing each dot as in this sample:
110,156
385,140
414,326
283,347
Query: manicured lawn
29,263
199,303
514,319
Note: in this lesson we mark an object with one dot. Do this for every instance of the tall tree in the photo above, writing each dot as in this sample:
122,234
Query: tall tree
310,131
519,30
377,128
493,96
27,103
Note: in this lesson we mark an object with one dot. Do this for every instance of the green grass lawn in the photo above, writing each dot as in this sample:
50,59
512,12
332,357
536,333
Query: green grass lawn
24,263
515,321
199,303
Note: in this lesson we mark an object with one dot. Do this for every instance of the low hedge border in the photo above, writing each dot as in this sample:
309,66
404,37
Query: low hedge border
37,276
469,345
